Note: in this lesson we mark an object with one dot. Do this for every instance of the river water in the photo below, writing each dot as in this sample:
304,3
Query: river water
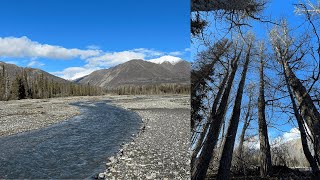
76,148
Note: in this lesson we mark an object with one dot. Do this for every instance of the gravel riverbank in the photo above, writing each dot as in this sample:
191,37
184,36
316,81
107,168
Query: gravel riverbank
18,116
160,150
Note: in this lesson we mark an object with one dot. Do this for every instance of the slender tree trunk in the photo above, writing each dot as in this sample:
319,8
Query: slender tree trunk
213,111
2,83
222,136
228,146
6,88
308,110
312,161
265,156
201,166
219,94
243,132
197,76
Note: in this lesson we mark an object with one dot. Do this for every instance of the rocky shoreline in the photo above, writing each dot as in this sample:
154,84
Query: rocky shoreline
18,116
160,150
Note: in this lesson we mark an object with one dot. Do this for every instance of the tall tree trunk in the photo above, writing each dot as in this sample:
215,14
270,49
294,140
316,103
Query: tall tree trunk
6,86
228,146
243,132
207,125
308,110
222,136
265,156
199,76
312,161
200,167
2,83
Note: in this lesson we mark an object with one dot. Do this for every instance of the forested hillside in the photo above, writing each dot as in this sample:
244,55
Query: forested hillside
142,77
130,78
21,83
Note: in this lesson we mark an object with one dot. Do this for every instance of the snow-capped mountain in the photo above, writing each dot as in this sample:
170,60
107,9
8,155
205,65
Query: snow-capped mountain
171,59
139,72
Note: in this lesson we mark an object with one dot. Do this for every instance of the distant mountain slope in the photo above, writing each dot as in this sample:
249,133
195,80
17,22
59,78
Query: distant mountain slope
139,72
29,83
182,69
12,70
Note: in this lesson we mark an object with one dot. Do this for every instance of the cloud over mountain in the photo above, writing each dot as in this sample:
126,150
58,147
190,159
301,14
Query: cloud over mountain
93,57
24,47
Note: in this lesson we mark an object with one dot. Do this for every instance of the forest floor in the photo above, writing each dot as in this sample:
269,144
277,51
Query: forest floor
278,172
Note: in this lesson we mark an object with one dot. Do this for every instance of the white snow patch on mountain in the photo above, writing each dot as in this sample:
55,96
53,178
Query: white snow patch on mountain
172,59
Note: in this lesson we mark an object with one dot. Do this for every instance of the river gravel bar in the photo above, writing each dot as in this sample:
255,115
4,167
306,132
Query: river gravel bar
160,150
18,116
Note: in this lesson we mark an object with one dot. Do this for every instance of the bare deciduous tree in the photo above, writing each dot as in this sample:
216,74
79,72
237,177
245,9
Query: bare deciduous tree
286,51
226,157
200,166
312,161
247,119
265,156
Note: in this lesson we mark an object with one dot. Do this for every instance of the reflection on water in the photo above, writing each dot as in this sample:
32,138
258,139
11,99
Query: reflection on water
77,148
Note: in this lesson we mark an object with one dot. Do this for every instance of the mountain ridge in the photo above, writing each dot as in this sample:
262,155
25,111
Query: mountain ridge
135,72
12,70
139,72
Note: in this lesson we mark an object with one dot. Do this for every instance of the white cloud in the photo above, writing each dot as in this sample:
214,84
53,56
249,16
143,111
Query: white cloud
114,58
94,47
34,63
95,58
73,73
187,49
24,47
171,59
149,53
176,53
293,134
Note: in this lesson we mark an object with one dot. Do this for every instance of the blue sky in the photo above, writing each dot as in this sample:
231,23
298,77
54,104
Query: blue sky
84,35
275,10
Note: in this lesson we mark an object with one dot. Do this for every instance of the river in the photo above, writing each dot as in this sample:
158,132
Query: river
75,148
